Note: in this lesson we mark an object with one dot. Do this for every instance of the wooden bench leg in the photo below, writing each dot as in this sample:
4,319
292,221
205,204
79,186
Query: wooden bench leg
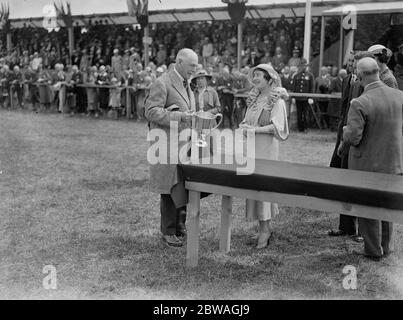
193,226
226,221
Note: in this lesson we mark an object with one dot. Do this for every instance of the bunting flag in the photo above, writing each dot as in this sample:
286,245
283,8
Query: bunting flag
64,14
137,8
4,16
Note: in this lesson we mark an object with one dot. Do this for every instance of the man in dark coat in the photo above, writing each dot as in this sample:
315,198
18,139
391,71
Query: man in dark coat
351,89
373,134
303,82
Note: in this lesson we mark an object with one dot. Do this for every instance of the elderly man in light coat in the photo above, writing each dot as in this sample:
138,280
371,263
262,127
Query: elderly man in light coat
170,104
374,135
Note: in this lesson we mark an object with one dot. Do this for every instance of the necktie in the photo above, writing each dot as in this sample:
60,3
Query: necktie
185,84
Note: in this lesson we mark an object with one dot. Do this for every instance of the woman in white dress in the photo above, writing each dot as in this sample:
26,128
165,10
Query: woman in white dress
266,117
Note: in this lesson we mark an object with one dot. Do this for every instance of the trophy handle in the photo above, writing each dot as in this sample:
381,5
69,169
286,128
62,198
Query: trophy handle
218,115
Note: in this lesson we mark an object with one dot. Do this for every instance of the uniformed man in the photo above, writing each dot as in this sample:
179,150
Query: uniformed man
303,82
224,89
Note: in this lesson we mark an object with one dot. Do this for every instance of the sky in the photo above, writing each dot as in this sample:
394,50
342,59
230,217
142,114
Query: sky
34,8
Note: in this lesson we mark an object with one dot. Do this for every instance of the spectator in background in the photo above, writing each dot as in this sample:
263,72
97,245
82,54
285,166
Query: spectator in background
125,61
278,60
333,110
303,82
283,44
266,59
92,93
382,56
36,61
295,60
224,88
334,73
322,85
215,59
85,61
253,60
286,82
16,81
282,24
293,71
134,58
286,78
161,55
116,63
207,51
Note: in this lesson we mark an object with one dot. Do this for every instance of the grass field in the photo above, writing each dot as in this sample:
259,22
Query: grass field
74,194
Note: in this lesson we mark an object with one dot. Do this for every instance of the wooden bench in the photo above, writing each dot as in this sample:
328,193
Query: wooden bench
355,193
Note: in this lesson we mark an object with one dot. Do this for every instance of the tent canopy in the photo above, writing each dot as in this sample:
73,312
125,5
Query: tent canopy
31,12
369,8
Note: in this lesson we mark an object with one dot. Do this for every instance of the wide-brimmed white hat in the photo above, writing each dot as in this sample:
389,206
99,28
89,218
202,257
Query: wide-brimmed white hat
270,70
378,48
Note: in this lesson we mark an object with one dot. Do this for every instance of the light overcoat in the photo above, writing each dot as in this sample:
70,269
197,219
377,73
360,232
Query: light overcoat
164,106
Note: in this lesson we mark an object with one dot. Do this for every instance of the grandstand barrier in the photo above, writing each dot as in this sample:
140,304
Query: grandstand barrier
355,193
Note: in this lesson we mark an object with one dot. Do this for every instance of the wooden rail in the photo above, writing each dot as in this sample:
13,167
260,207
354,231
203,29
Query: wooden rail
355,193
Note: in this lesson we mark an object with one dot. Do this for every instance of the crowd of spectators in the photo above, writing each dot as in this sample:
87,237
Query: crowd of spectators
112,55
216,42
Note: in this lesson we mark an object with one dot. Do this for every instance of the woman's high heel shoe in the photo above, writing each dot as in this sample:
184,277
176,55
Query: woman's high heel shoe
264,240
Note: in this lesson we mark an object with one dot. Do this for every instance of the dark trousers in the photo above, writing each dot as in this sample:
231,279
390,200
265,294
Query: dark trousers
347,224
227,104
377,236
239,112
301,114
81,99
172,219
20,94
323,106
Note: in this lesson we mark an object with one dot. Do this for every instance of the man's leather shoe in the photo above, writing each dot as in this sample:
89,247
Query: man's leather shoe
181,224
373,258
336,233
357,238
172,241
181,233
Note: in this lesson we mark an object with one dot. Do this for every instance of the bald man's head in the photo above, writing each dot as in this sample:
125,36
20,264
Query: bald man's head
368,70
186,63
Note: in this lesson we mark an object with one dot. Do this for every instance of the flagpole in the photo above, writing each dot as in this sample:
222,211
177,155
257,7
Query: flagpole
308,30
9,42
146,46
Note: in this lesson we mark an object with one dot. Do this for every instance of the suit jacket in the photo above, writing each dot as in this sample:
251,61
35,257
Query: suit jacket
164,104
374,130
286,82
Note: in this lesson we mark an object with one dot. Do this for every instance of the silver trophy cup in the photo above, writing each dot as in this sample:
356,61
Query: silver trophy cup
205,123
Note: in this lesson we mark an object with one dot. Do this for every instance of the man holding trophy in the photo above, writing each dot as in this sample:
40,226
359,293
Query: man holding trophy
171,102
